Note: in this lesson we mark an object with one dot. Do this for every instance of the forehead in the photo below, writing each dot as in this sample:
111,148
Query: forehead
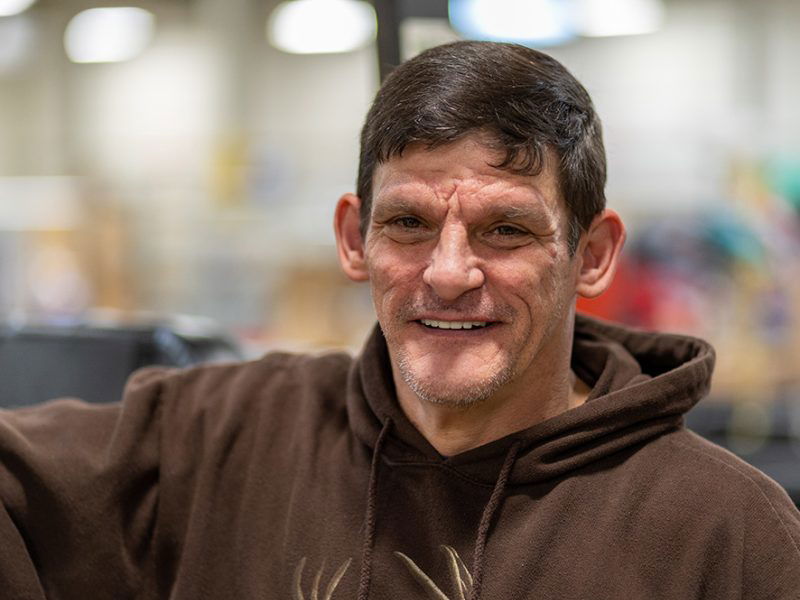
462,169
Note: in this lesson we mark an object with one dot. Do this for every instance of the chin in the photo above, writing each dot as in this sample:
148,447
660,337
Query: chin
466,391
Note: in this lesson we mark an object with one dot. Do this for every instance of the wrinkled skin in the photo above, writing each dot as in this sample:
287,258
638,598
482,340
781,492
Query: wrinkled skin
453,238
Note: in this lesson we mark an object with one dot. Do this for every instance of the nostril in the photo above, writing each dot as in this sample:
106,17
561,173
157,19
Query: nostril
477,277
450,284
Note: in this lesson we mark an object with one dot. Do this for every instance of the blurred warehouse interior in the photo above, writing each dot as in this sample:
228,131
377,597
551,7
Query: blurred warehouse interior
199,171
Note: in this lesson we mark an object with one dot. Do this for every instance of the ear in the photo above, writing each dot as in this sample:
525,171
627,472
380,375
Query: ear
349,243
598,252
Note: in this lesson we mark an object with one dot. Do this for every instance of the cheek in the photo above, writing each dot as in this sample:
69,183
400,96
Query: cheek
392,274
523,274
537,282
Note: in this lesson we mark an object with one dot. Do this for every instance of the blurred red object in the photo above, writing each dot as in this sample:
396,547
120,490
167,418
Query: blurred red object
614,303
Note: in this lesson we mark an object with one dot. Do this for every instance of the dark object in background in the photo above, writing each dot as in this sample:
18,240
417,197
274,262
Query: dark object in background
38,363
768,438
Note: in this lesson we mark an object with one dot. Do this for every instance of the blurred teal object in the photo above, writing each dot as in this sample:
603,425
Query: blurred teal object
783,176
734,237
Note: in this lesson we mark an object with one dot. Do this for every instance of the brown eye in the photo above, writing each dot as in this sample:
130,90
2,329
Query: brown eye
507,231
507,236
408,222
408,230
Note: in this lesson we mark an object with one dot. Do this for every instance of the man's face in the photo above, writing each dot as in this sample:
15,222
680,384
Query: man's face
470,272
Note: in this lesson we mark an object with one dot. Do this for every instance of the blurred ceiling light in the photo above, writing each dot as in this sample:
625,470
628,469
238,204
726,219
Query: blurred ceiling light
597,18
14,7
108,34
321,26
16,43
531,22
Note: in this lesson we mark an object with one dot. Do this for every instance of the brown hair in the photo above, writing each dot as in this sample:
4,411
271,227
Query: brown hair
525,100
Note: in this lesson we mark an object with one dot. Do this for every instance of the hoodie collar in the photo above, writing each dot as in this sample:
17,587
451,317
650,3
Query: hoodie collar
642,385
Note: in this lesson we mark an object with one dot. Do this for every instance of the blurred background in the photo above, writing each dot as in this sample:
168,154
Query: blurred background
167,158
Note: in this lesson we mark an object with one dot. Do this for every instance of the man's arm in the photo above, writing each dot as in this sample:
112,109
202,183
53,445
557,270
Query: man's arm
772,546
78,494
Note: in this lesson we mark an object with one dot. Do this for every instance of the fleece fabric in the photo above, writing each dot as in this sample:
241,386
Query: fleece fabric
298,477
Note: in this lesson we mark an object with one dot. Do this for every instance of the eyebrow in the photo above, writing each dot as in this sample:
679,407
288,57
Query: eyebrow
395,206
515,212
396,202
528,213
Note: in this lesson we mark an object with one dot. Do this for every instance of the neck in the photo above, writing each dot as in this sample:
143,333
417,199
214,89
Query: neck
544,391
453,430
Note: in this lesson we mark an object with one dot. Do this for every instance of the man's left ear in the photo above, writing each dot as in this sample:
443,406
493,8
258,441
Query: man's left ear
598,251
347,226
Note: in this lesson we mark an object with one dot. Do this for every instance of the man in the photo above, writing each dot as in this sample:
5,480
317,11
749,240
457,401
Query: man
487,443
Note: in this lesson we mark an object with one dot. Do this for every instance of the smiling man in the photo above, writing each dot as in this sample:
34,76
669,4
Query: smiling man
487,443
474,279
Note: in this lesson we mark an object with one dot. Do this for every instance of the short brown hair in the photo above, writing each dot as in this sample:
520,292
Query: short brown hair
525,100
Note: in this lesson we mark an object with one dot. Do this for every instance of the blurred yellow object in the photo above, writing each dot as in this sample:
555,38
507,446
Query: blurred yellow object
229,171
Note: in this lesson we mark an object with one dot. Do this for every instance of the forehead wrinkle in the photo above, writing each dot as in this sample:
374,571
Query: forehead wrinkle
449,201
410,194
507,195
400,194
510,202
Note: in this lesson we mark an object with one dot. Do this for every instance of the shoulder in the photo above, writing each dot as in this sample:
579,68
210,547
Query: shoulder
748,510
276,371
281,384
718,468
700,476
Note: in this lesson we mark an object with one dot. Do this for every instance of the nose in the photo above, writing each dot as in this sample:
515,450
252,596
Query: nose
453,268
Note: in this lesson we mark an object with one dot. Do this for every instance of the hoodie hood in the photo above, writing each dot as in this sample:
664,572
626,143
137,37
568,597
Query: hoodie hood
642,385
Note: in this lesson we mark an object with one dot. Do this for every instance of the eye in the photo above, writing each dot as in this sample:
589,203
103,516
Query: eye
407,222
507,236
408,229
508,231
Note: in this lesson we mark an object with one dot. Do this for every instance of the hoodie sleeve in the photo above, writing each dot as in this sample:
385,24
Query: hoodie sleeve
78,494
771,565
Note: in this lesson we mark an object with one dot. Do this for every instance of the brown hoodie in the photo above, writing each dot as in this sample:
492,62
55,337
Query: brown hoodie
298,477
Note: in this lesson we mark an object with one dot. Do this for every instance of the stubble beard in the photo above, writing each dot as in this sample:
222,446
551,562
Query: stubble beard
442,394
436,391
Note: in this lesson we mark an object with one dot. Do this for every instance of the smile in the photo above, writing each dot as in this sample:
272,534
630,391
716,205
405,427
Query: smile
453,324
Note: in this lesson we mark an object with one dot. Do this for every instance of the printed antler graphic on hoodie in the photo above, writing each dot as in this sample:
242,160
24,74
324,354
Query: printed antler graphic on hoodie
462,579
297,588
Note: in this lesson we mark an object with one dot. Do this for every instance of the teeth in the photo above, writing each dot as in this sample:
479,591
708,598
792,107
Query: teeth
453,324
